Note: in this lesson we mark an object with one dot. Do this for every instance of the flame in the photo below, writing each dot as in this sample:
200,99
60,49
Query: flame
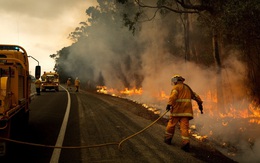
162,95
130,92
199,137
102,89
250,111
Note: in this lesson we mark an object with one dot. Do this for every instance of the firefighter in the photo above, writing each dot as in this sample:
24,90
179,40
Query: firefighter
47,79
43,76
68,83
180,108
77,83
38,86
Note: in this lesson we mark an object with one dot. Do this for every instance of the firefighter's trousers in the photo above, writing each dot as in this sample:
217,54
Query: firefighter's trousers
184,127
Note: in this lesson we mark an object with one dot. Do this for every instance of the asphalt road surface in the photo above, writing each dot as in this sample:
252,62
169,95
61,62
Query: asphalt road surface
96,124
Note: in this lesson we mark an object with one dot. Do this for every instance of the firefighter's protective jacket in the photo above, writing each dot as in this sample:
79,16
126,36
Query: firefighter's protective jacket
77,82
38,83
180,99
68,82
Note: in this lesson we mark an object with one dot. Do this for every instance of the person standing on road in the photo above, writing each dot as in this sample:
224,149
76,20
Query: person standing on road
43,76
38,86
77,83
180,108
68,84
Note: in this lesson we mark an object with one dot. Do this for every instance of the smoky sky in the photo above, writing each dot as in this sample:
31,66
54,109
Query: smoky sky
41,9
41,27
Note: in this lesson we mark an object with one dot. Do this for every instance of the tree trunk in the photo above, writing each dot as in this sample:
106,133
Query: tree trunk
220,101
187,36
252,57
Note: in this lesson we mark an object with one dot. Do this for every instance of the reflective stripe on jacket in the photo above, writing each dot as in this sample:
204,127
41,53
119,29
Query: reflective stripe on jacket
180,99
76,82
38,83
68,82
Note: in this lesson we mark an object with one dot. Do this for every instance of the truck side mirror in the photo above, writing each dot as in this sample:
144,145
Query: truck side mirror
37,72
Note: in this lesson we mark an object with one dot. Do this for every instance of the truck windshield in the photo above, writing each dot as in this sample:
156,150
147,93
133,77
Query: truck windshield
52,78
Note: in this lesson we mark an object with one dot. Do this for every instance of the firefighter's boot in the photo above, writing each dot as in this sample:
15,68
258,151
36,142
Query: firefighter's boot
186,147
168,141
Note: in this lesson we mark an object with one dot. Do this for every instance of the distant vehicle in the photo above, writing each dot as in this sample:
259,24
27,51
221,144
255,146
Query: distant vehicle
15,91
50,80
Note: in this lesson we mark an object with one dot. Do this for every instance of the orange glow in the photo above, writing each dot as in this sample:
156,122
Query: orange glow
163,96
130,92
250,111
201,138
102,89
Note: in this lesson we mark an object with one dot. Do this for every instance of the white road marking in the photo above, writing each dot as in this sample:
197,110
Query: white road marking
56,152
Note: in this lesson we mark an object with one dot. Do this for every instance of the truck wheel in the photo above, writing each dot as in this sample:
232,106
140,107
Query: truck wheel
3,150
4,145
26,119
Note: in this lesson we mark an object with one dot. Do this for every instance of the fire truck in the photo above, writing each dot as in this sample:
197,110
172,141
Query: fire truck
50,80
15,91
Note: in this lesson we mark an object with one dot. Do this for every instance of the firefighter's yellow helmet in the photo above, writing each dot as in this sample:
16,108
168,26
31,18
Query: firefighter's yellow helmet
176,78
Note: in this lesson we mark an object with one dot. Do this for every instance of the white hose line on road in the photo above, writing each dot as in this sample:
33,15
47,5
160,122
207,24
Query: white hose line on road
129,137
56,152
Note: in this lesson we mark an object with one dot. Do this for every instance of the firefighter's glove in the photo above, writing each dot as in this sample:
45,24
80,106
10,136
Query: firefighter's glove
200,108
168,107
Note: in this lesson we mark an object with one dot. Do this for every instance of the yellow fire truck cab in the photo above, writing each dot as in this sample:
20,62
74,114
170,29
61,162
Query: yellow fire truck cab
15,91
50,80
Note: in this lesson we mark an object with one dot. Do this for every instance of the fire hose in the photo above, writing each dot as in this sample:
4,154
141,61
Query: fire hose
129,137
87,146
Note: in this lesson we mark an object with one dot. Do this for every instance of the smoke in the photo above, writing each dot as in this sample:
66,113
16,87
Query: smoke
112,56
105,54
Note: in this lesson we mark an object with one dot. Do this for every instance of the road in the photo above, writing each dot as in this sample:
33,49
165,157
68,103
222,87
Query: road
97,123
